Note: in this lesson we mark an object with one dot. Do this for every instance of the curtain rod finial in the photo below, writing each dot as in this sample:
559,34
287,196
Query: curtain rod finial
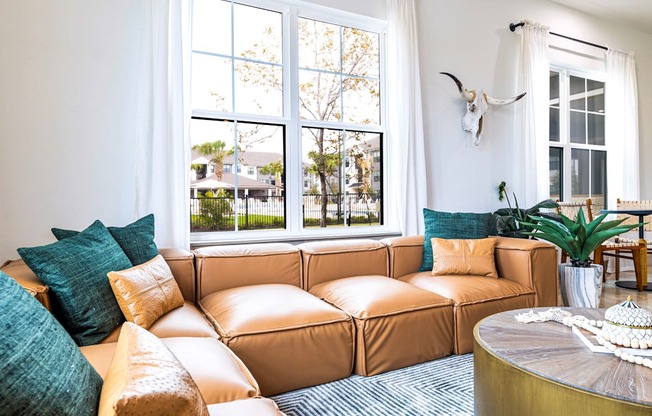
513,26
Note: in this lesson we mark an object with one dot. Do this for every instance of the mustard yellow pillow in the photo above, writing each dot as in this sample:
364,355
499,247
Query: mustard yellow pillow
145,378
146,292
474,257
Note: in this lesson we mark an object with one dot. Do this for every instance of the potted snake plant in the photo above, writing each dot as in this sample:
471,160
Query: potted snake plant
580,281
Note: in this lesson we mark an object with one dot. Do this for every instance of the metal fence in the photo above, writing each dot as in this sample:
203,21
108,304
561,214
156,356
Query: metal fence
268,212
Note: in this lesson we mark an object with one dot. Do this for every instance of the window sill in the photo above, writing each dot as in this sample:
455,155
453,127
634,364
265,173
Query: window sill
278,236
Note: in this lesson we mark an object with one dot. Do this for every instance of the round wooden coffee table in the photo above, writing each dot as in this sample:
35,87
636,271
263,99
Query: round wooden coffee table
544,369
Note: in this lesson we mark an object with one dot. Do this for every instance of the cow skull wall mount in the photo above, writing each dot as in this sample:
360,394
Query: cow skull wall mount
477,103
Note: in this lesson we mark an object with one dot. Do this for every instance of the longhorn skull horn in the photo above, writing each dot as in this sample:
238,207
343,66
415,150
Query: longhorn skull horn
476,105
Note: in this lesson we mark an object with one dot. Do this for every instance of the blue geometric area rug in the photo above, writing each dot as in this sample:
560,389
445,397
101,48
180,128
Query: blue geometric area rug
442,387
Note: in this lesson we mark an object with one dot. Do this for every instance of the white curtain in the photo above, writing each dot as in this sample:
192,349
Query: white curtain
621,125
534,79
162,140
408,185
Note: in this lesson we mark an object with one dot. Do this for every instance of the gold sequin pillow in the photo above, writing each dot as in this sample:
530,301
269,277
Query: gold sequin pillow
145,378
146,292
466,257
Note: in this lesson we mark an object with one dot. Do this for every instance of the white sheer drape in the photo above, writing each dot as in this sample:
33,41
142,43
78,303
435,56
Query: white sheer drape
408,185
162,156
621,127
534,79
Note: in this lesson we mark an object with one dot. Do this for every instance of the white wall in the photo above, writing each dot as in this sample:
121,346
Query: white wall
471,39
67,115
67,111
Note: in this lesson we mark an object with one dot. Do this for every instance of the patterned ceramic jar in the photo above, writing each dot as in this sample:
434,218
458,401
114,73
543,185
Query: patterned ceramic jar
627,320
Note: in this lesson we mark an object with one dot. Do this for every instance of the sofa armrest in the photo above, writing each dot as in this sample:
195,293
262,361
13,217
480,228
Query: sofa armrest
531,263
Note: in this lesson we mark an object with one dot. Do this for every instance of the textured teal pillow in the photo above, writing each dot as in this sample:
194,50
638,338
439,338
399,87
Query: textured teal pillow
75,269
136,239
457,225
43,371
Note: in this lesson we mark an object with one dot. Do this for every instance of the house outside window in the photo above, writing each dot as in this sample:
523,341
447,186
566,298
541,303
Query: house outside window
249,98
577,150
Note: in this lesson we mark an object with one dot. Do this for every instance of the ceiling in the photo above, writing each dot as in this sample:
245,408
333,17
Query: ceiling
635,13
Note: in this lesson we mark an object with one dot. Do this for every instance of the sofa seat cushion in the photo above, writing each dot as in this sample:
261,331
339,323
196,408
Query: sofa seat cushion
219,374
258,406
288,338
186,321
397,324
475,297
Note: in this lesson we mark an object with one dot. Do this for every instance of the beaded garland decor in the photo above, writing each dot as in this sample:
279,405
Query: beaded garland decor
626,325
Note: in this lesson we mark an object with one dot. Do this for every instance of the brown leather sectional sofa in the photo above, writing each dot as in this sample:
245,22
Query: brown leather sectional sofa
261,319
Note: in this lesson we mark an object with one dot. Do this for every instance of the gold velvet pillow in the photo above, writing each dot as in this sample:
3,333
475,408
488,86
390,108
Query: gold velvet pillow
474,257
145,378
146,292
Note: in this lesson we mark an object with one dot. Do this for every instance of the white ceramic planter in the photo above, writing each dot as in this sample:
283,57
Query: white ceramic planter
580,287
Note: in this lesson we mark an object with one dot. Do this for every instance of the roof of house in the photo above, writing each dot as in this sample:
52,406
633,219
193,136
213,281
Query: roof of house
228,182
248,158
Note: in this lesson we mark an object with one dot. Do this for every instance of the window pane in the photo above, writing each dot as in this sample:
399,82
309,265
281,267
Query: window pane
211,197
211,83
595,93
554,88
580,174
596,129
577,93
215,199
361,99
554,124
598,178
556,173
362,192
322,158
319,96
319,45
577,127
258,34
360,54
211,26
261,176
258,88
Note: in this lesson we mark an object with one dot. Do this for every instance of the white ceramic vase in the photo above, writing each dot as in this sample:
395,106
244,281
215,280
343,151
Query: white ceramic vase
580,287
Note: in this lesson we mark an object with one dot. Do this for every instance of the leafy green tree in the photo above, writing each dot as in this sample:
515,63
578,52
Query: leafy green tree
321,93
274,169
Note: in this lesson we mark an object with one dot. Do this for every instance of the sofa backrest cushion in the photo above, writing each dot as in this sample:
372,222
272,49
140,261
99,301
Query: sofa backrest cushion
181,262
75,269
43,371
405,254
324,261
229,266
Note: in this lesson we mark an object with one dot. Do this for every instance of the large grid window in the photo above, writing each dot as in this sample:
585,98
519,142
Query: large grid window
578,155
287,128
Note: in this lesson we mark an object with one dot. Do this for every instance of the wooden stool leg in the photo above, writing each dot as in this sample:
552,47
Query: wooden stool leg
617,265
637,268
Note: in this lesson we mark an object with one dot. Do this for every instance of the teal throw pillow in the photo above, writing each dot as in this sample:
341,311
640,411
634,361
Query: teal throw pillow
457,225
136,239
43,371
76,270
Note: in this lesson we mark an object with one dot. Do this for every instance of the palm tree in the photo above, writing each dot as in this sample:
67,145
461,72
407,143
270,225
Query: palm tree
215,151
275,169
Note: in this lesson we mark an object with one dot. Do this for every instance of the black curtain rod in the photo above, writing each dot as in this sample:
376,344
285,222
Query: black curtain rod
513,26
